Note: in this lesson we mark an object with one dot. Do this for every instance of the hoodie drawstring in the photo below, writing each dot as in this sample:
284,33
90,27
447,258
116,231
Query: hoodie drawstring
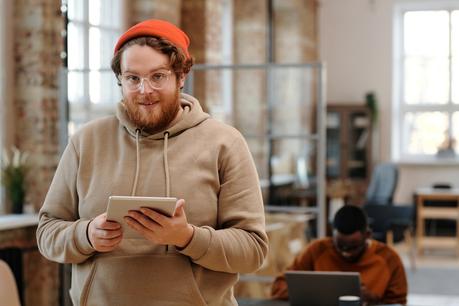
166,165
166,170
137,166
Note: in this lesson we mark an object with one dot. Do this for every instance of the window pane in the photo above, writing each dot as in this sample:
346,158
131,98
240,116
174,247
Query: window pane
94,46
426,80
105,13
110,14
295,88
455,56
107,43
424,132
94,86
75,9
75,44
455,32
455,80
94,11
75,87
103,88
426,33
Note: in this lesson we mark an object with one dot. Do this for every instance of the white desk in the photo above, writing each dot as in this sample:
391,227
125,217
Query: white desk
8,222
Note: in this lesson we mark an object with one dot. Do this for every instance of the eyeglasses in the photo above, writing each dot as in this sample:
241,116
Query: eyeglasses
157,80
346,247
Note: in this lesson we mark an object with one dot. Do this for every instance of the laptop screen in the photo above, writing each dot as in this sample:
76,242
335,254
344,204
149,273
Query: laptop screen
320,288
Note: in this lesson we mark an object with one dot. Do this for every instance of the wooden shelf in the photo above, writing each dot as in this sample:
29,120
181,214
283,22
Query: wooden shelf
437,212
350,147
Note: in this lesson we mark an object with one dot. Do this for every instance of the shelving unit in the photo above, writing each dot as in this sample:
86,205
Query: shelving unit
349,130
280,109
437,212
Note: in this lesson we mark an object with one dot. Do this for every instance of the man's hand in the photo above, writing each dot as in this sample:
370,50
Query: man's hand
161,229
104,235
368,297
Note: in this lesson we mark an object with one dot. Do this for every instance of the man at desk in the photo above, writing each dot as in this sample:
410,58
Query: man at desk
352,249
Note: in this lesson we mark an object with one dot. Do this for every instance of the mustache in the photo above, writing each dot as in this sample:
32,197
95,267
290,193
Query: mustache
144,99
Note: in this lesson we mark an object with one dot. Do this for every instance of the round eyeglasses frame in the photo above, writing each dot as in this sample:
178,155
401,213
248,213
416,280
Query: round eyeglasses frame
156,80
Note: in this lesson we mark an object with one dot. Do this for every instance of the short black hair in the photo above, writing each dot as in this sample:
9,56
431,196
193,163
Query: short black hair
350,219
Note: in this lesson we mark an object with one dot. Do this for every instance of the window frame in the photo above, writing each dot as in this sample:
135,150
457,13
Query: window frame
400,108
85,109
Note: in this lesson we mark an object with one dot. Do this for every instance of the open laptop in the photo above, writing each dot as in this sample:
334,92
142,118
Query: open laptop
320,288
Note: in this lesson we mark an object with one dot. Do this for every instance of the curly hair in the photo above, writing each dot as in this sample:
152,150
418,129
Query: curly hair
177,59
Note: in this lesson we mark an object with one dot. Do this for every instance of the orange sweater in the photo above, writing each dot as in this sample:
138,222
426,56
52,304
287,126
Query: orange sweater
381,270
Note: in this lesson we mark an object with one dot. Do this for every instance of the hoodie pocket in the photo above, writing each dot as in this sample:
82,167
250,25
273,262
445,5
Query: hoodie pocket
165,280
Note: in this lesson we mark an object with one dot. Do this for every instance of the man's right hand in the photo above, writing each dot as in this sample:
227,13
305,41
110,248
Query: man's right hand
104,235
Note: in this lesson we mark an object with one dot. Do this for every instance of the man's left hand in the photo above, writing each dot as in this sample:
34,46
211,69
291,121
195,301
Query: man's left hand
162,229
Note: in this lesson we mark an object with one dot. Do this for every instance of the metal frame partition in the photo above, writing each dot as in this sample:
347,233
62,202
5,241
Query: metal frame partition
318,137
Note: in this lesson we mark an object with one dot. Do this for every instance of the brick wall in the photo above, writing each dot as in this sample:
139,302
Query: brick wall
37,46
140,10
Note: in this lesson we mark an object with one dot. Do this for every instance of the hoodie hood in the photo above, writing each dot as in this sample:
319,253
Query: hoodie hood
192,115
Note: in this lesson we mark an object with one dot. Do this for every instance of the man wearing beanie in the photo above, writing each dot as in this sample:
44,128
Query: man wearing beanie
160,144
382,275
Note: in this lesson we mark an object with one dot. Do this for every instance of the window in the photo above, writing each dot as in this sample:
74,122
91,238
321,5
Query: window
92,30
427,86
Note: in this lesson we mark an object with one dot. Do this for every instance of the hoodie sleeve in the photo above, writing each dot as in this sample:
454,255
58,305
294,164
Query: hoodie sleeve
240,244
61,234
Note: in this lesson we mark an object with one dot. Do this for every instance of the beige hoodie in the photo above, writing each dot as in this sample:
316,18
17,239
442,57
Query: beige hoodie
199,159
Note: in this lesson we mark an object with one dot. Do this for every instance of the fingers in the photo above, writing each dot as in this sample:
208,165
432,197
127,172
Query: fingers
105,240
101,222
179,208
106,245
104,235
135,224
110,225
146,219
159,228
150,215
107,234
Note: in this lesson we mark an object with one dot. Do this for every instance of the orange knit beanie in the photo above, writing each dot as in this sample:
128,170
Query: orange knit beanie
159,28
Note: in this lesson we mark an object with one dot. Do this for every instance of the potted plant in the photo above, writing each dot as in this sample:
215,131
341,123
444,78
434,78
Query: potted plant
13,175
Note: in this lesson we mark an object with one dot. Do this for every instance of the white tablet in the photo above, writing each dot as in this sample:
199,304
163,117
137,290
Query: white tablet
118,207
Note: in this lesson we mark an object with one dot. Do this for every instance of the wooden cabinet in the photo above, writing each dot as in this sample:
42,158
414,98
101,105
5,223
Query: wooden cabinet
348,162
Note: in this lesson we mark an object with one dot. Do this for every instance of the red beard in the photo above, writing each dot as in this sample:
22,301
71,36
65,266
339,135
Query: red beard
157,119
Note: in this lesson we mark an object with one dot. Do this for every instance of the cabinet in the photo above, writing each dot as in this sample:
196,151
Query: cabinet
348,161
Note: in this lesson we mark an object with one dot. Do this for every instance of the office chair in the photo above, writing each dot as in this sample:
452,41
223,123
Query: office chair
389,223
382,184
8,290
